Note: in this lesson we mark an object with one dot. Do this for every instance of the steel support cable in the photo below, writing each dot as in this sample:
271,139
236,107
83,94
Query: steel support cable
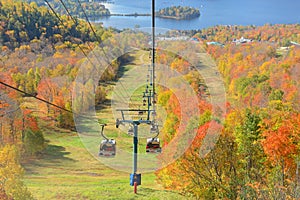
64,5
52,9
73,19
97,38
75,25
47,102
120,81
90,25
57,16
86,17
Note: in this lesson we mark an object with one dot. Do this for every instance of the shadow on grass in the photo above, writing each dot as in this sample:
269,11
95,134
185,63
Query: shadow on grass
55,153
53,156
124,60
103,105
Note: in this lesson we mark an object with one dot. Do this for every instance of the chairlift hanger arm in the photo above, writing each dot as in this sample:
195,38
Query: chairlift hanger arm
157,134
102,131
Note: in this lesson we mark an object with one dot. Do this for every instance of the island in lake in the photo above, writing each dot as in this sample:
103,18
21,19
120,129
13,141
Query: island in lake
178,12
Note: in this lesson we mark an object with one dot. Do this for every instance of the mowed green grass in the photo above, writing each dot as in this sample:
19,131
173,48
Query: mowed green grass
67,170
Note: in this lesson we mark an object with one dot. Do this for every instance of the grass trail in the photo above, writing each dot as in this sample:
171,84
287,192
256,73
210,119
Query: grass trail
66,170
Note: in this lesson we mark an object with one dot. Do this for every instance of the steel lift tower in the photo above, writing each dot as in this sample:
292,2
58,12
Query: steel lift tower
135,178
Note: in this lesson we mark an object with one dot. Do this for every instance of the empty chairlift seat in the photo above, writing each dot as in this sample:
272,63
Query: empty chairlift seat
107,148
153,145
130,131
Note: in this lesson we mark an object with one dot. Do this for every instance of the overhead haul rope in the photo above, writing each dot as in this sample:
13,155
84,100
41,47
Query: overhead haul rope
47,102
98,39
81,49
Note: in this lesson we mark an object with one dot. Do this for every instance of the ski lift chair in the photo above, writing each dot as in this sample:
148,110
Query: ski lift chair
107,148
153,129
153,145
130,131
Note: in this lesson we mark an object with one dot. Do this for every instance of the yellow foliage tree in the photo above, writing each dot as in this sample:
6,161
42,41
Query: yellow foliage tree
11,185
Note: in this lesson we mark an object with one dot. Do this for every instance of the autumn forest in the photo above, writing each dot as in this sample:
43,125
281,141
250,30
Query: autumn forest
257,154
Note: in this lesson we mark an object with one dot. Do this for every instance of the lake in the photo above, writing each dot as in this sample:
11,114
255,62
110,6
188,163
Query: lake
213,12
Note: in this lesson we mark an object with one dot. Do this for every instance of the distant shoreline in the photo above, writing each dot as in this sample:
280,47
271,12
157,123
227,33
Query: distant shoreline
176,18
129,15
157,15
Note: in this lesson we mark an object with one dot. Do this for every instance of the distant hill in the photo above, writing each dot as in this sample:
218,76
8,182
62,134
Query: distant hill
22,22
92,8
